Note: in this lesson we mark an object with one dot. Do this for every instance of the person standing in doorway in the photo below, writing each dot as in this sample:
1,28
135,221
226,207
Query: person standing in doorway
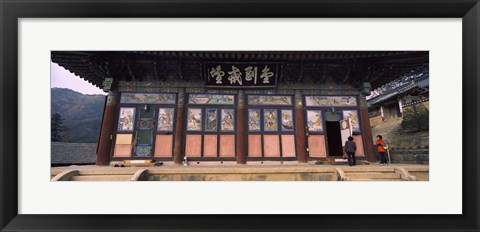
350,148
381,150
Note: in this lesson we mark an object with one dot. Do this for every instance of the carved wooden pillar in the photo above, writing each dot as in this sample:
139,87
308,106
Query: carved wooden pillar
300,137
104,146
366,129
241,124
179,128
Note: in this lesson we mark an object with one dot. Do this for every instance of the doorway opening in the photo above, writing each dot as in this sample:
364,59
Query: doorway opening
334,138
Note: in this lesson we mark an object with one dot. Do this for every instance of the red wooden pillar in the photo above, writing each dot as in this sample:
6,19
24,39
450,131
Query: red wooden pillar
300,136
179,128
104,146
366,129
241,124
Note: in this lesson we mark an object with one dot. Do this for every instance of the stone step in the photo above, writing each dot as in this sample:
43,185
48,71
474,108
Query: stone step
355,169
56,172
376,180
102,178
373,175
116,171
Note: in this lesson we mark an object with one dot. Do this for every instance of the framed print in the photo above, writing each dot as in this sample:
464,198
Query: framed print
211,120
224,206
227,120
194,119
352,114
254,119
147,98
269,100
126,119
314,121
330,101
270,120
166,118
211,99
287,120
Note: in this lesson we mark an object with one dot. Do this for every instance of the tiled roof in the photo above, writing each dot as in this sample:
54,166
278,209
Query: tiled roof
400,86
395,92
376,67
73,153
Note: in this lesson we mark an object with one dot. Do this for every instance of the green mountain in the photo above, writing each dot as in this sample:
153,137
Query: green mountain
82,114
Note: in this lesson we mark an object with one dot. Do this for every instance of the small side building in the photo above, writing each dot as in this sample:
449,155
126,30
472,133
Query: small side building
389,101
387,107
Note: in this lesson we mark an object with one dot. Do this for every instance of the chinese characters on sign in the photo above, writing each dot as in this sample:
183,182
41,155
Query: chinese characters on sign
241,75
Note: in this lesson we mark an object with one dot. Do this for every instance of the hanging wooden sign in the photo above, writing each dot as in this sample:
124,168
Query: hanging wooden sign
241,75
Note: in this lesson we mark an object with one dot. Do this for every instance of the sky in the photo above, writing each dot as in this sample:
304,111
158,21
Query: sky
62,78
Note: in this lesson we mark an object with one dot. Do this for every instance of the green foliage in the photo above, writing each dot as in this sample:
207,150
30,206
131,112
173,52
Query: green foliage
415,118
57,127
82,114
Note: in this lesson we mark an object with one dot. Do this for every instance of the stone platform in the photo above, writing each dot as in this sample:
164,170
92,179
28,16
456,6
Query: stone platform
250,172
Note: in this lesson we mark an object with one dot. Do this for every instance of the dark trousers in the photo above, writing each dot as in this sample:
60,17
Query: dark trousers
351,158
383,158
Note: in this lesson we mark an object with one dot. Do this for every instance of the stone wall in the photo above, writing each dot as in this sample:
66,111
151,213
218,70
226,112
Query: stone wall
375,120
417,140
406,147
410,156
73,153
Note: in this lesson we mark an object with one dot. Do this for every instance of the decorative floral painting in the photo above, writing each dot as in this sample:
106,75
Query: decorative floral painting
143,150
269,100
270,120
145,124
165,119
194,119
147,98
211,99
287,120
228,120
314,121
352,114
126,118
254,119
211,120
327,101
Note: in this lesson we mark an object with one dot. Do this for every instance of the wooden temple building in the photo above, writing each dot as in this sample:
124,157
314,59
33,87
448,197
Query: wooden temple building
390,100
236,106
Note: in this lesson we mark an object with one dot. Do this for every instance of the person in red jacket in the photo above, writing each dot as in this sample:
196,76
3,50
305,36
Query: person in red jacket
381,150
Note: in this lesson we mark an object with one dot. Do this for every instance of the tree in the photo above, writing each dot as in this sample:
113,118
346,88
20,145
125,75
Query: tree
416,118
57,127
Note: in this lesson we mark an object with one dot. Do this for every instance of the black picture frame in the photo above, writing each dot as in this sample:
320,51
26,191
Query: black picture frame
11,11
